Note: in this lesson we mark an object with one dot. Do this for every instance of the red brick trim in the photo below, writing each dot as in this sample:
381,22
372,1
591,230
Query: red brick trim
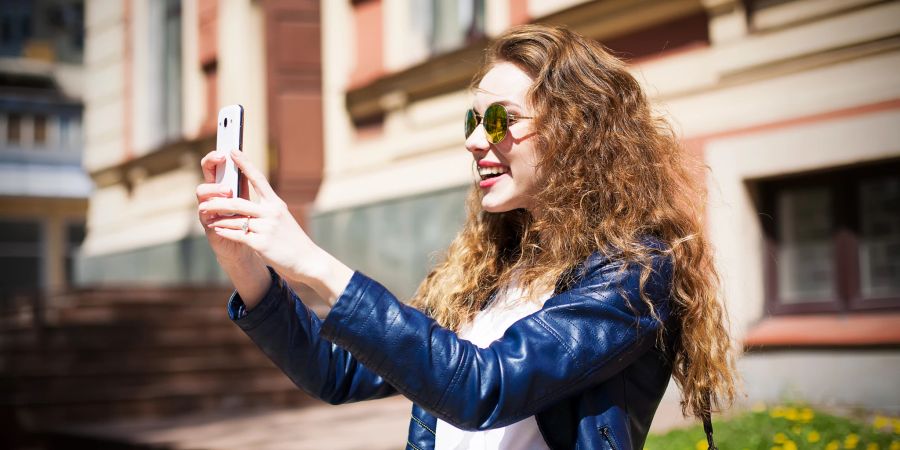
825,331
852,111
369,64
518,12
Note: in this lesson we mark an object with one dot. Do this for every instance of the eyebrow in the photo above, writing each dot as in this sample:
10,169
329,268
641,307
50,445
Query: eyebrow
504,103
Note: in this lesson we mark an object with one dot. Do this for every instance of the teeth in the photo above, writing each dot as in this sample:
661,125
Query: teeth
486,171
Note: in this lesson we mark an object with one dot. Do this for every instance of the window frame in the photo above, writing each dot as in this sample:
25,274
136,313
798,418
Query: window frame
843,186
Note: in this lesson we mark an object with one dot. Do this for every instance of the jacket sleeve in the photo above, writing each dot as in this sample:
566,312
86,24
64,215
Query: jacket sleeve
580,338
288,332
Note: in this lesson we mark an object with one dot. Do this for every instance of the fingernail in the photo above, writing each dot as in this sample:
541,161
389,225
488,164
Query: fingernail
236,153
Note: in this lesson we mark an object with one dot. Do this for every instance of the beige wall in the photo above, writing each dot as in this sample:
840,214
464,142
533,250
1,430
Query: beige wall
146,208
242,70
104,84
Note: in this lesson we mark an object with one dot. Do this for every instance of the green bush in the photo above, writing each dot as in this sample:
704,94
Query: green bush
791,427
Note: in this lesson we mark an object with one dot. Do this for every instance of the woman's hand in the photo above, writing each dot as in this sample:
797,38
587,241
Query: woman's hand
269,229
227,252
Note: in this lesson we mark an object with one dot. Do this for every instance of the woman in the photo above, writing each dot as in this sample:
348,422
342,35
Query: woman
580,283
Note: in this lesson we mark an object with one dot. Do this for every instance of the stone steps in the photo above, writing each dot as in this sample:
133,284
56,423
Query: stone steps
94,356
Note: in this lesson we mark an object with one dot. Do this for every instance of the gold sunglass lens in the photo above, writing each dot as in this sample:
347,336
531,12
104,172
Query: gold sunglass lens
471,122
495,122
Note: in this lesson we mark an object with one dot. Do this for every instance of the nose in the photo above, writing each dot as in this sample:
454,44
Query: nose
477,141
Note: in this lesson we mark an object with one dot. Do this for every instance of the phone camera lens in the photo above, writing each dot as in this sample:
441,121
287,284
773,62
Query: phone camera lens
226,122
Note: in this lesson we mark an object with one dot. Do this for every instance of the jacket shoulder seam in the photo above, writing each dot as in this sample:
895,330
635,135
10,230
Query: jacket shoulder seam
453,381
419,421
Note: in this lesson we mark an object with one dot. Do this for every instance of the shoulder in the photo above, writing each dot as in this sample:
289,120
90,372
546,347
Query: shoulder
613,271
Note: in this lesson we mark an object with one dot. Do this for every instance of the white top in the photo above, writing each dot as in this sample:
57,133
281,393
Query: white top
488,326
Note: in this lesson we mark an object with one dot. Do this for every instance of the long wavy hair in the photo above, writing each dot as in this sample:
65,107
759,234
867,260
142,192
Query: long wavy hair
612,173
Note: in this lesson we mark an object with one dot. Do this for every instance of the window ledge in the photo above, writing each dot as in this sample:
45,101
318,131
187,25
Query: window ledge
825,331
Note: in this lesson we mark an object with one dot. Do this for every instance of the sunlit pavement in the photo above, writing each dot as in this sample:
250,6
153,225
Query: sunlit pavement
375,425
379,424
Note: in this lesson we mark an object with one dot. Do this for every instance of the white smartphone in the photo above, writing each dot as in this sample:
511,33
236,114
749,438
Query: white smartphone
230,136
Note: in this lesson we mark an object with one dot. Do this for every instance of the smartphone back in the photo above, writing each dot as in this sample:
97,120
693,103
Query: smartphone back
229,136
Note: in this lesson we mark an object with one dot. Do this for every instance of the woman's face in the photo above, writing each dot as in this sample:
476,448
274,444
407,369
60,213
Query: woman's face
515,156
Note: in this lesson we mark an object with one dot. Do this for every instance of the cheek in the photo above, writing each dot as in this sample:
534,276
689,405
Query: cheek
528,169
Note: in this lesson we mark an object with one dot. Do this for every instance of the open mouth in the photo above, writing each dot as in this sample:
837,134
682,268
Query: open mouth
492,172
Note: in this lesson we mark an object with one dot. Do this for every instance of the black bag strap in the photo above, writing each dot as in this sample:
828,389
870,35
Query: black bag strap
707,424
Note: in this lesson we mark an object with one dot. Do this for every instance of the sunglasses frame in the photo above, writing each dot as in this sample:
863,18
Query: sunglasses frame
479,119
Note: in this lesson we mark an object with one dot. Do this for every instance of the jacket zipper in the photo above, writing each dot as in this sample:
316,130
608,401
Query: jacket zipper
609,439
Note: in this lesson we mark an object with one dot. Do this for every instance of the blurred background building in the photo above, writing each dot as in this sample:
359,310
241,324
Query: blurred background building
354,110
43,188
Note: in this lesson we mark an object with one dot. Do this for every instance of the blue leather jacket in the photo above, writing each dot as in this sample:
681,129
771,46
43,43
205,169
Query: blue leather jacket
586,364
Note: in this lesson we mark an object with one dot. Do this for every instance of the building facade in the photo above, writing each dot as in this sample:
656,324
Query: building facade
43,189
157,72
793,106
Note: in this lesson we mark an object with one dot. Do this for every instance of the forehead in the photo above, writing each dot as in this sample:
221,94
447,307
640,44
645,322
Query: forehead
504,82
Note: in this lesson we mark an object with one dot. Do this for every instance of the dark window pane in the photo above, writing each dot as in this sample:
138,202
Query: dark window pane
14,128
879,242
19,273
40,130
19,232
805,252
20,255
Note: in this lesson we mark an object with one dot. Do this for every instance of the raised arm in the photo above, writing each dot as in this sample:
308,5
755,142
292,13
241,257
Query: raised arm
263,305
288,332
579,339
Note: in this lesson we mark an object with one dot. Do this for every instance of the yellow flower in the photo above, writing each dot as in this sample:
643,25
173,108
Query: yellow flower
851,440
779,438
881,421
790,445
895,445
872,446
813,436
896,424
833,445
776,412
702,445
792,414
806,415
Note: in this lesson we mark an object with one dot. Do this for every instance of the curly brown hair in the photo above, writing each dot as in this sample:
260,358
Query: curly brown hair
612,174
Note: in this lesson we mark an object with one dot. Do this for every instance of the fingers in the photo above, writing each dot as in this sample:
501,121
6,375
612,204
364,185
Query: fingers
209,190
236,236
256,178
209,164
234,223
230,206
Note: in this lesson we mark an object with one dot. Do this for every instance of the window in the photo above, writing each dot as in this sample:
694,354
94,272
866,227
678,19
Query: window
164,42
443,25
15,26
14,129
40,130
833,240
20,256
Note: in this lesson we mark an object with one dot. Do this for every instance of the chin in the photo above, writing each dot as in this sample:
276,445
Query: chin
496,207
